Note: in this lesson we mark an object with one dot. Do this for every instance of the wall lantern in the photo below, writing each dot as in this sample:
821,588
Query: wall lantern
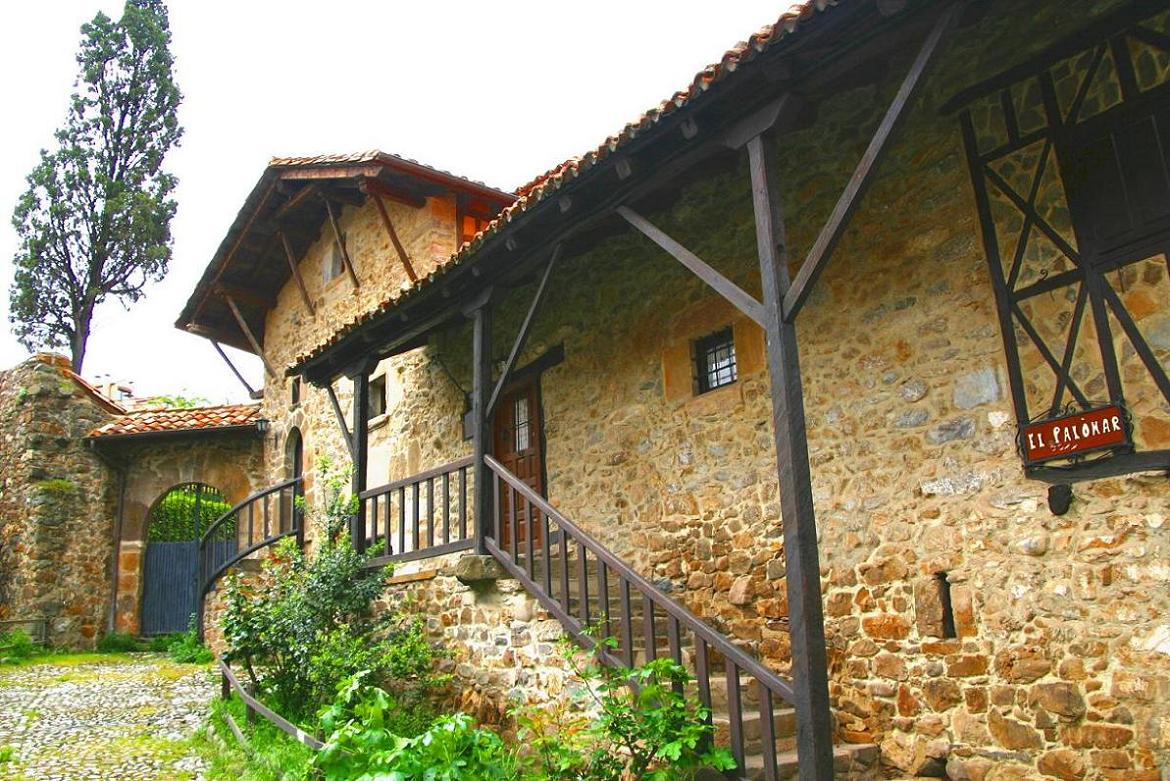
262,425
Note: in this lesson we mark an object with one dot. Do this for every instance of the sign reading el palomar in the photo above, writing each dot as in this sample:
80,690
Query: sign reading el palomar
1072,435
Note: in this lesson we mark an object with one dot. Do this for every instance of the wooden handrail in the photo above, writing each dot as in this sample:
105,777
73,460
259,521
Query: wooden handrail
247,501
430,474
431,516
253,705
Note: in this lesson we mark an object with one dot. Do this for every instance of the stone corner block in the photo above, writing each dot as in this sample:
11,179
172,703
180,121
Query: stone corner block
475,568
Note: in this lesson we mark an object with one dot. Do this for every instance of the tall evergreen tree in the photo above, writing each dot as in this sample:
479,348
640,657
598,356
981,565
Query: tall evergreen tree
95,221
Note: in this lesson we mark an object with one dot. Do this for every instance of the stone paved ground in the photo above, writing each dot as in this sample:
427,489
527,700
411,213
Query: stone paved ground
113,718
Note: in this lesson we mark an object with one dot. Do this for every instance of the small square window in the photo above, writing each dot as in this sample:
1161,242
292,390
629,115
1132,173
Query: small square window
378,396
715,361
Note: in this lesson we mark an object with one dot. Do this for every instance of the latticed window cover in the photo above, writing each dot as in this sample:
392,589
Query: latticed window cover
715,361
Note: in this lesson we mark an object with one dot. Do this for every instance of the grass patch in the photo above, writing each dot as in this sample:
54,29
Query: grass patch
271,755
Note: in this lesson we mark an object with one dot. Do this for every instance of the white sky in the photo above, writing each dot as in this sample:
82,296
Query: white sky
495,91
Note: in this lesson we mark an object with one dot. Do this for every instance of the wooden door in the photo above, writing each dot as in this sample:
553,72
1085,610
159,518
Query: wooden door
519,446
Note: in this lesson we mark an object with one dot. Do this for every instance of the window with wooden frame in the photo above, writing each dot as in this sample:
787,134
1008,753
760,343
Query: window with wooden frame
1070,163
714,357
334,262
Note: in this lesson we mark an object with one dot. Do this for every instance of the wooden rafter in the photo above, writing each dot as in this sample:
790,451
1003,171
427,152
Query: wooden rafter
742,300
389,224
822,249
236,245
294,201
244,295
247,331
295,269
414,200
341,244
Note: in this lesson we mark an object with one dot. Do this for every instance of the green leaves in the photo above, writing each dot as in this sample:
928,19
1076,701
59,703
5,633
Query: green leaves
95,220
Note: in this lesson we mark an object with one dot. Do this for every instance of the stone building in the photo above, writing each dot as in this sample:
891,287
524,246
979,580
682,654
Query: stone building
594,384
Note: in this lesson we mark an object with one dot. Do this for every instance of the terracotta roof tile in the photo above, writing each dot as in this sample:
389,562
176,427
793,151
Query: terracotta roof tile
176,419
549,182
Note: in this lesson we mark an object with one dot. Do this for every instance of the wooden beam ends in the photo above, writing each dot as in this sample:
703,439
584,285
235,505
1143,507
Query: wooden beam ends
741,299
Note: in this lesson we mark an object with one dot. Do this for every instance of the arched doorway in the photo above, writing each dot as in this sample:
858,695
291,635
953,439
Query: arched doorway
294,453
173,528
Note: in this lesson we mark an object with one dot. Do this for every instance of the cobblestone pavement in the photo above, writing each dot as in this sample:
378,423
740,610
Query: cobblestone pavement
117,718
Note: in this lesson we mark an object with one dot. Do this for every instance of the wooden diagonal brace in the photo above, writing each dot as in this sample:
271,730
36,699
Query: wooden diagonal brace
295,200
345,433
402,256
522,336
247,331
295,269
232,366
341,244
742,300
863,175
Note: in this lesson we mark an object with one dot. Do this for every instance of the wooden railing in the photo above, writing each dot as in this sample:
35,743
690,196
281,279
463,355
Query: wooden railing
417,517
578,580
252,706
260,520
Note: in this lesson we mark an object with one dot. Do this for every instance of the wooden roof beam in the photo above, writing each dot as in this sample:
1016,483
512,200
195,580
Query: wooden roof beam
251,337
296,201
341,245
389,224
244,295
295,269
374,185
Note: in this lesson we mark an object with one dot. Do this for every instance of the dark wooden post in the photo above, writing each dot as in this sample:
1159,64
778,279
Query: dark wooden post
814,735
361,442
482,432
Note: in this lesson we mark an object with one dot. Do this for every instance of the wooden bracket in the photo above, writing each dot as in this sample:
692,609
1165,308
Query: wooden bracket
341,244
386,221
340,418
232,366
522,336
251,337
295,269
863,175
741,299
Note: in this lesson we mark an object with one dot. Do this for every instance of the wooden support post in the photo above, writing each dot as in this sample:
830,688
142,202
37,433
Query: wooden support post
863,175
295,270
814,733
386,221
522,336
742,300
243,324
360,450
341,244
482,432
232,366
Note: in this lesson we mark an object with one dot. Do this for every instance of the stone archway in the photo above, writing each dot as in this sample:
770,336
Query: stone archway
171,562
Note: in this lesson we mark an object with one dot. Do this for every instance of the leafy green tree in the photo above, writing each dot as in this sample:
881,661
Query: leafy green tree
95,221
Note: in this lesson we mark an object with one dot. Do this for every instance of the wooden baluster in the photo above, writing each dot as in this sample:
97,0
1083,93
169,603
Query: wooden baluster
251,523
674,642
547,545
583,582
648,629
768,732
446,508
386,520
603,599
735,713
497,510
627,621
564,546
530,540
414,514
430,512
267,525
401,519
703,674
514,525
463,503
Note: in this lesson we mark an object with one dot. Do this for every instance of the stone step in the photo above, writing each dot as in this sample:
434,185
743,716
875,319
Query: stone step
783,720
850,761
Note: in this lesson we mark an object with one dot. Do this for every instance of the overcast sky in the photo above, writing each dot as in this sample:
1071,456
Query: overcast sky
495,91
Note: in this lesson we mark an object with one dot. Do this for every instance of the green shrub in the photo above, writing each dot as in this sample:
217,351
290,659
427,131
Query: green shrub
187,648
305,624
117,642
15,646
362,744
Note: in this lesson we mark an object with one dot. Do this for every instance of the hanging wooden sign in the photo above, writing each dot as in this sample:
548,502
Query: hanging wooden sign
1073,435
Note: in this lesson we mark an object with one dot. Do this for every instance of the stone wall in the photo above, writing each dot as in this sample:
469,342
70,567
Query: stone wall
56,534
1061,663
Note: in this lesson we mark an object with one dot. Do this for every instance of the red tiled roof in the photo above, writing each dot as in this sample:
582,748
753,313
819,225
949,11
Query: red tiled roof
549,182
175,419
65,367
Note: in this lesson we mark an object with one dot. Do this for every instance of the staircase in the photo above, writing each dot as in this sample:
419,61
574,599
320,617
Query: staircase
584,585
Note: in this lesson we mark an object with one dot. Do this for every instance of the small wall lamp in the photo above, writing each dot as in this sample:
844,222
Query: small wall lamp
262,425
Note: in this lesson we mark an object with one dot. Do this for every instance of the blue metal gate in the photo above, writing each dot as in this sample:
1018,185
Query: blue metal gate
170,592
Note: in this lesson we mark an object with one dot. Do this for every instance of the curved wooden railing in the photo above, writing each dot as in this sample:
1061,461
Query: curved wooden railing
417,517
571,575
258,521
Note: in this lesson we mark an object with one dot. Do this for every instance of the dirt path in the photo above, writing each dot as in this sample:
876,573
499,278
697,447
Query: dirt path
110,717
